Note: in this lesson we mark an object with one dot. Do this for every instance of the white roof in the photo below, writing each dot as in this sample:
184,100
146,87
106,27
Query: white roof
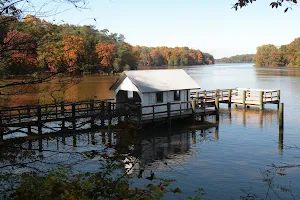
158,80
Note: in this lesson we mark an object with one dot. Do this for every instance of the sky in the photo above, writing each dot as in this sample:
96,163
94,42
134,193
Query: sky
209,25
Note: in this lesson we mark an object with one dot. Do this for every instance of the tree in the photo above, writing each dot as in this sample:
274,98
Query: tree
274,4
73,48
106,53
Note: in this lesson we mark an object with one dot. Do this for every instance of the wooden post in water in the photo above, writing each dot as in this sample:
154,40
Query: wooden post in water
109,113
261,100
39,119
244,98
217,107
1,129
62,112
197,96
73,116
278,98
194,109
153,114
29,120
229,98
280,141
92,113
102,113
169,113
281,120
139,116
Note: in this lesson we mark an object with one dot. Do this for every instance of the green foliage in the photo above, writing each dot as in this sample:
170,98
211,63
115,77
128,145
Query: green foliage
65,184
271,56
243,58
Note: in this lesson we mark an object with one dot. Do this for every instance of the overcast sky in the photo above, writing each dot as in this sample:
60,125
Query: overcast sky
209,25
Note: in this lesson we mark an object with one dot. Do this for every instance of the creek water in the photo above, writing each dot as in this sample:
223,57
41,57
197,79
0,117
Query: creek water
228,161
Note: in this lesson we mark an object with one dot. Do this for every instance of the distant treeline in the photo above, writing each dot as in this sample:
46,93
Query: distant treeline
284,56
243,58
34,45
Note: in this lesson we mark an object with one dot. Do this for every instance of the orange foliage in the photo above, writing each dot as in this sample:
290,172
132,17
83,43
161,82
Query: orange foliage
73,47
106,53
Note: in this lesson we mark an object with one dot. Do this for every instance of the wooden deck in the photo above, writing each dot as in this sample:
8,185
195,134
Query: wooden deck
102,112
240,96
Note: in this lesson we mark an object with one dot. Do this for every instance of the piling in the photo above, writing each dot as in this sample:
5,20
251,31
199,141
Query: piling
278,98
139,116
109,113
92,113
280,141
217,106
169,113
229,98
62,112
1,129
39,119
261,100
73,116
29,120
197,96
280,116
194,109
102,113
244,98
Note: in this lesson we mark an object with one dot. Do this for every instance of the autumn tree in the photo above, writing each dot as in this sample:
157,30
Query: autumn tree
106,53
73,48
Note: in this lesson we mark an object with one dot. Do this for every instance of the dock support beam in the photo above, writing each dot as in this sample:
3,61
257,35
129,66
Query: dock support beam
281,116
39,119
73,117
229,98
217,107
261,100
1,130
169,113
92,113
194,109
62,112
278,97
244,98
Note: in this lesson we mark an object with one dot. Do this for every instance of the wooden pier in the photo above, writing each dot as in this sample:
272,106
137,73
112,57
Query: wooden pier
240,96
70,116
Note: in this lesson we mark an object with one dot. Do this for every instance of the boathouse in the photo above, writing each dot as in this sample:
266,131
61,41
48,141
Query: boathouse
153,89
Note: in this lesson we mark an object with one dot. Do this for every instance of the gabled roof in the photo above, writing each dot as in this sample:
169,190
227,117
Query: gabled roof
158,80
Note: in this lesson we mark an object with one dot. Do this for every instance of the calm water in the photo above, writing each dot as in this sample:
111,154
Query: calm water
223,161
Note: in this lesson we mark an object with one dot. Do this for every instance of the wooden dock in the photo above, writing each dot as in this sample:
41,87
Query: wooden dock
70,116
240,96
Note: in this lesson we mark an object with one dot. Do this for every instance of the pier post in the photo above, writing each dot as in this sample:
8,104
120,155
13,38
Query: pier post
169,113
197,96
1,129
73,116
194,109
92,113
229,98
39,119
281,115
109,113
244,98
217,106
261,100
62,113
278,98
29,120
139,116
280,141
102,113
